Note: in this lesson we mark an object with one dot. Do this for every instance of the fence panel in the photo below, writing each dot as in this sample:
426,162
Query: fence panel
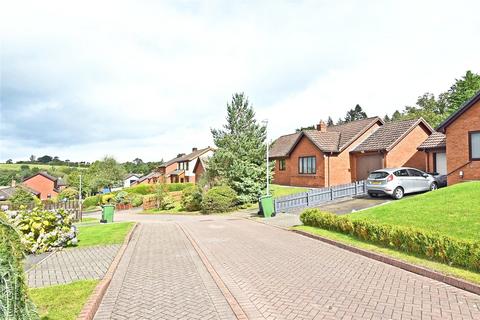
317,196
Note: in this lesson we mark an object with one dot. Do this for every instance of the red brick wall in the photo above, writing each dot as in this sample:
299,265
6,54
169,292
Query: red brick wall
291,176
198,171
458,148
405,153
342,166
43,185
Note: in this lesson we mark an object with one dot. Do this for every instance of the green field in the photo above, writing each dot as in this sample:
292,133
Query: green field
453,211
17,166
62,302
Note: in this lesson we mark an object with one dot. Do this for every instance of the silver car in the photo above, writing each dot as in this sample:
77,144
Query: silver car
397,182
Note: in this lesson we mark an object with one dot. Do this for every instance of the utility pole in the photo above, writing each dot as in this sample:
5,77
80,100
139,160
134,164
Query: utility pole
80,198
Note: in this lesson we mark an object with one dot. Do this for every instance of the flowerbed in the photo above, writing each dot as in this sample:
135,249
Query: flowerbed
429,244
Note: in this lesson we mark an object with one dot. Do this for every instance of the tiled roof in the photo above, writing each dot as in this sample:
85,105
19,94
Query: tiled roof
388,135
195,154
42,173
335,139
177,172
282,146
434,141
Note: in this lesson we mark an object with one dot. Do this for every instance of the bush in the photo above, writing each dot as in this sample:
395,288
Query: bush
107,198
92,201
21,197
68,193
142,189
171,187
219,199
14,301
192,198
429,244
43,230
122,197
137,200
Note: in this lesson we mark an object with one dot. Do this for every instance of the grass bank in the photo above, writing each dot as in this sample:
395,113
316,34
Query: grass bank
102,234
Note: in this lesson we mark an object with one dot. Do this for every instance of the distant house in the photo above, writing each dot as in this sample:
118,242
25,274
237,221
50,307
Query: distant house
462,142
7,192
47,185
200,167
333,155
178,169
130,179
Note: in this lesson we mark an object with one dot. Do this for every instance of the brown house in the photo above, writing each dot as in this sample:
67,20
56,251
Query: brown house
462,132
332,155
47,185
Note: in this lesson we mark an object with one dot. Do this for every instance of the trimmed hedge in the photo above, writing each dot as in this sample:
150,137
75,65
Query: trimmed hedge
178,186
14,300
92,201
219,199
429,244
142,189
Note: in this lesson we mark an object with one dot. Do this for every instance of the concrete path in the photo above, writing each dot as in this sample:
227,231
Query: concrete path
71,265
272,273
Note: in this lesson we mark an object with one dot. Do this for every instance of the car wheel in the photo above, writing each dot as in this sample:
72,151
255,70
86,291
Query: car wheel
373,195
397,193
433,186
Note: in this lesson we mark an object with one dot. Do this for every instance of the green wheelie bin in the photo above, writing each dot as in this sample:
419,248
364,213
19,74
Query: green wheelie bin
266,206
108,211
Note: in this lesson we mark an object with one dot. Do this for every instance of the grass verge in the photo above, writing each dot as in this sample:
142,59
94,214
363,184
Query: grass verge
280,191
62,302
436,266
103,234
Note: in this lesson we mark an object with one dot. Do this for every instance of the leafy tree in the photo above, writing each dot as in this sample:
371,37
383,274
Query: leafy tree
240,157
68,193
305,128
9,161
21,197
340,121
356,113
386,118
461,91
330,121
104,173
6,177
396,116
32,158
45,159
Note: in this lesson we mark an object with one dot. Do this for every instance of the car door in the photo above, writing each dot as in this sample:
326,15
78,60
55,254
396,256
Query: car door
420,183
405,181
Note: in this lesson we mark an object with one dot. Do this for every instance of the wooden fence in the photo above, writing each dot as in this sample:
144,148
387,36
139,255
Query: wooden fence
315,197
71,206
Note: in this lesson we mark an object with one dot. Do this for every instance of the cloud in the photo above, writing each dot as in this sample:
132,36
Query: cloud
149,79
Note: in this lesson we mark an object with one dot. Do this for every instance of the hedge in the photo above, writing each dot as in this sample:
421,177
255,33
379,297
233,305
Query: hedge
178,186
92,201
142,189
219,199
429,244
191,199
14,301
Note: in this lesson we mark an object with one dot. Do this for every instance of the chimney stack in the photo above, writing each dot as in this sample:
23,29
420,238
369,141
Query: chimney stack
322,126
194,149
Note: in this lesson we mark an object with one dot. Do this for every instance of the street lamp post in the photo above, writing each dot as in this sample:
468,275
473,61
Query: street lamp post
268,161
80,198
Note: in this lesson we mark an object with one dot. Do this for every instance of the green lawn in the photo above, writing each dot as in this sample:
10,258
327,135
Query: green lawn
62,302
437,266
453,211
280,191
102,234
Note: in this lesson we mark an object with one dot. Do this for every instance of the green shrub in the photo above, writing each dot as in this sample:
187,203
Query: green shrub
137,200
429,244
21,197
68,193
192,198
142,189
171,187
168,203
122,197
107,198
14,301
42,230
92,201
219,199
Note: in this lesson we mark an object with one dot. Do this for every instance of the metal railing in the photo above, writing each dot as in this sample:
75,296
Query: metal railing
315,197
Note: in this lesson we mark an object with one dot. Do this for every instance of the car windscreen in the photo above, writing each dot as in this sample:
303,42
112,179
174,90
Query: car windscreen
378,175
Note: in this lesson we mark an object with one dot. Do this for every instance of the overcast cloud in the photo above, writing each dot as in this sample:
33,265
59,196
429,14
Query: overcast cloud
148,79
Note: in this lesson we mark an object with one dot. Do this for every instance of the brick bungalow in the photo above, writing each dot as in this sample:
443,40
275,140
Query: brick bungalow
333,155
462,131
47,185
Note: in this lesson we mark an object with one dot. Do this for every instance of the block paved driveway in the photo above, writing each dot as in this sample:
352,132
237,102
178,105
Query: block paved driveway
272,273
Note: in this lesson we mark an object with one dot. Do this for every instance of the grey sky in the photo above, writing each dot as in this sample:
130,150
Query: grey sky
149,79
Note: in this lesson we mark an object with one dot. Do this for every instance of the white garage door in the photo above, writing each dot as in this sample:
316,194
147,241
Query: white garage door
441,162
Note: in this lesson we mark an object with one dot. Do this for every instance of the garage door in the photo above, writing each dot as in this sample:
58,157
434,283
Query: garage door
367,164
441,162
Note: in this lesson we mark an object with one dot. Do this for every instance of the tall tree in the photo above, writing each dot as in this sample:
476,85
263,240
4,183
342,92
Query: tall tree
105,173
386,118
461,91
32,158
356,113
239,160
330,121
45,159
